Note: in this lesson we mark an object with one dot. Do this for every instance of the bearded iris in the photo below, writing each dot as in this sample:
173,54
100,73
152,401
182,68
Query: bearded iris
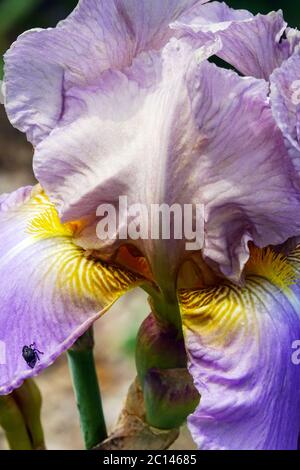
122,98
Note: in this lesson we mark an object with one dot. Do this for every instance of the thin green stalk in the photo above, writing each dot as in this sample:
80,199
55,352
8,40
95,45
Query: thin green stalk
87,392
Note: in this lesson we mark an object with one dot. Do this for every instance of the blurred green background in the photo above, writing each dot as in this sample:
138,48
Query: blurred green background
17,16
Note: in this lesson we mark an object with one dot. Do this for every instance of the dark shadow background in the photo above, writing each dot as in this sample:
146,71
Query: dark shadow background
115,340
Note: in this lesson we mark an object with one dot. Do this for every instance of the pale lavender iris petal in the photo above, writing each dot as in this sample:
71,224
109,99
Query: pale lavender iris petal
285,102
143,132
50,293
11,200
240,351
99,35
129,132
254,45
214,17
239,144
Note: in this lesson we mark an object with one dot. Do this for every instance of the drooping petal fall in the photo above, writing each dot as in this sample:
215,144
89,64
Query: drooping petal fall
51,291
240,346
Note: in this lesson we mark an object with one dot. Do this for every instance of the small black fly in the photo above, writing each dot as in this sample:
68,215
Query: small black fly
31,355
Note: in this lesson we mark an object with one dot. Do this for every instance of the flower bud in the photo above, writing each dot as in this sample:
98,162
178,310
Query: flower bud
158,346
20,417
169,392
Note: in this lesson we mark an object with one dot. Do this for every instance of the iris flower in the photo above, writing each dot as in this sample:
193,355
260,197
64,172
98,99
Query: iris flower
123,98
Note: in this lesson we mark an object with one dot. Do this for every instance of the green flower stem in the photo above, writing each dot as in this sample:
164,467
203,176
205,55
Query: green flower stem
86,387
167,313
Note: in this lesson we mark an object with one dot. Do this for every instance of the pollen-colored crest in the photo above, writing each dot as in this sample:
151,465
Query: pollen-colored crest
275,267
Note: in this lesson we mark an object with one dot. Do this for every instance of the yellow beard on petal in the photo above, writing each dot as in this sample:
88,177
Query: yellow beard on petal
274,267
47,223
78,273
216,314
